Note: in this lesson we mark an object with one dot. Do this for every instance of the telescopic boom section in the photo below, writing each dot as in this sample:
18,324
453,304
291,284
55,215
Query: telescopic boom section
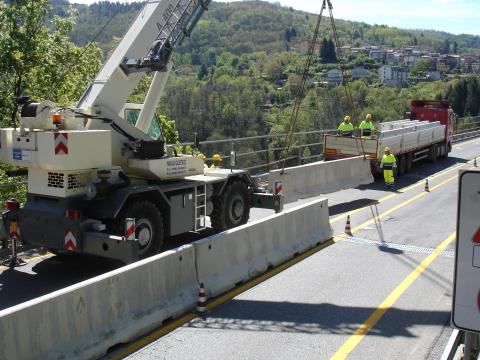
147,46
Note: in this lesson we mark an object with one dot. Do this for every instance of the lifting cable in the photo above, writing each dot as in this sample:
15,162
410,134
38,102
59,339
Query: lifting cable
348,93
301,91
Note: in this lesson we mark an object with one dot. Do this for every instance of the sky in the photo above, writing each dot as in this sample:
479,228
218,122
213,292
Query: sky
454,16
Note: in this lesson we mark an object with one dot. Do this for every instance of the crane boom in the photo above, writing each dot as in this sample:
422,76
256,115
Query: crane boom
147,46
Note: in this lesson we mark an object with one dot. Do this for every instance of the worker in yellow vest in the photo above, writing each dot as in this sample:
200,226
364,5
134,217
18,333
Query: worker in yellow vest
217,162
366,127
346,127
388,163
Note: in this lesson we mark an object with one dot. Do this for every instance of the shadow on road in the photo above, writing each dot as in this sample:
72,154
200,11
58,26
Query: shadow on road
325,318
350,205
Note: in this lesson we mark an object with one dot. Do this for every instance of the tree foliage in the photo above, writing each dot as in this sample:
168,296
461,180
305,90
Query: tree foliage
40,61
327,51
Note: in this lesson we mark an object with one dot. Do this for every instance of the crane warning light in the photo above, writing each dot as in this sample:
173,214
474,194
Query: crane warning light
57,119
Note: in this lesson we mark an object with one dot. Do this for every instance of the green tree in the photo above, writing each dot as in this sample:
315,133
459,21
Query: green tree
455,47
445,47
472,102
39,60
327,51
420,66
202,72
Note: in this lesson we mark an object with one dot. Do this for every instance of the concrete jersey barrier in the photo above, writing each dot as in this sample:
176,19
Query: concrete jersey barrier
86,319
240,254
82,321
321,177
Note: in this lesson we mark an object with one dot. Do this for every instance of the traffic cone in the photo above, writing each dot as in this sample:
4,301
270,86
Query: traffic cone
475,162
202,300
348,229
426,185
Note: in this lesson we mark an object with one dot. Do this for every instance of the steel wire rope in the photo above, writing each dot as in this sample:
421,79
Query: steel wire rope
348,92
301,90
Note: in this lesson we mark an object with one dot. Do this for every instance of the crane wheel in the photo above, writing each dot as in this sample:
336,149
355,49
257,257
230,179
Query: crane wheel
149,227
232,208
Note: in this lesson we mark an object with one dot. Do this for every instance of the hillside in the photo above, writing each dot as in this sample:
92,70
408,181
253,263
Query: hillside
237,76
248,26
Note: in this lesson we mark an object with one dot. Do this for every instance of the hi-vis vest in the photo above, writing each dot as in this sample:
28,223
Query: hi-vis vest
388,162
346,129
366,128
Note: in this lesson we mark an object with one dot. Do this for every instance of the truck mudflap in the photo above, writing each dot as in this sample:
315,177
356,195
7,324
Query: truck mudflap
110,246
267,201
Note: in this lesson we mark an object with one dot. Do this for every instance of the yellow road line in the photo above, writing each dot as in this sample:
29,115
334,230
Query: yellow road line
348,346
156,334
401,191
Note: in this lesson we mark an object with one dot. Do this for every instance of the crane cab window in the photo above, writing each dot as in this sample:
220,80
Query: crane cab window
155,131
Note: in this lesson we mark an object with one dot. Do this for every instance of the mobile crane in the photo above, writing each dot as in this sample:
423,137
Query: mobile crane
97,181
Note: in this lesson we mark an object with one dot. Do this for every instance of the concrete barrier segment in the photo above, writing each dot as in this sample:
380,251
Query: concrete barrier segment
322,177
86,319
82,321
237,255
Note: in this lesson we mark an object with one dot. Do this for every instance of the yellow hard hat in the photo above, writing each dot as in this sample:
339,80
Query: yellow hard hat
347,118
216,157
368,117
387,149
201,156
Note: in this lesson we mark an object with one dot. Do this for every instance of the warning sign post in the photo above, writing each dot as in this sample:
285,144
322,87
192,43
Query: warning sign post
466,285
466,300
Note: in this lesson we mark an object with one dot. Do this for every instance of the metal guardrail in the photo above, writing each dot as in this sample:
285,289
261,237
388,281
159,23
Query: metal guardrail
466,135
263,152
251,156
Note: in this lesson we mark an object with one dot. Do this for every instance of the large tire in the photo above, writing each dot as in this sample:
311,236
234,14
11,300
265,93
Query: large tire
433,153
409,158
149,230
232,208
402,165
444,151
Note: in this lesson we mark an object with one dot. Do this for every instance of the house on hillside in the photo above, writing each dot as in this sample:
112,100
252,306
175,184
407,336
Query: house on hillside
334,77
393,76
360,73
378,55
412,58
442,66
434,75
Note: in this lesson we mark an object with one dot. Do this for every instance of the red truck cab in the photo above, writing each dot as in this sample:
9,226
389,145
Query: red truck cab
435,110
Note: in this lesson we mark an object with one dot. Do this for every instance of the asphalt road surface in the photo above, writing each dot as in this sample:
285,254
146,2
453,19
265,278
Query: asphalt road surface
383,293
353,298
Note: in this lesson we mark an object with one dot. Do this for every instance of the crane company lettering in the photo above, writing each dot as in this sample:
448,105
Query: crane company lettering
176,167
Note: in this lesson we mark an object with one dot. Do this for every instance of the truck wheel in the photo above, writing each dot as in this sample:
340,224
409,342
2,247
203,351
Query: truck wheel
433,153
402,165
444,151
232,208
149,229
409,157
